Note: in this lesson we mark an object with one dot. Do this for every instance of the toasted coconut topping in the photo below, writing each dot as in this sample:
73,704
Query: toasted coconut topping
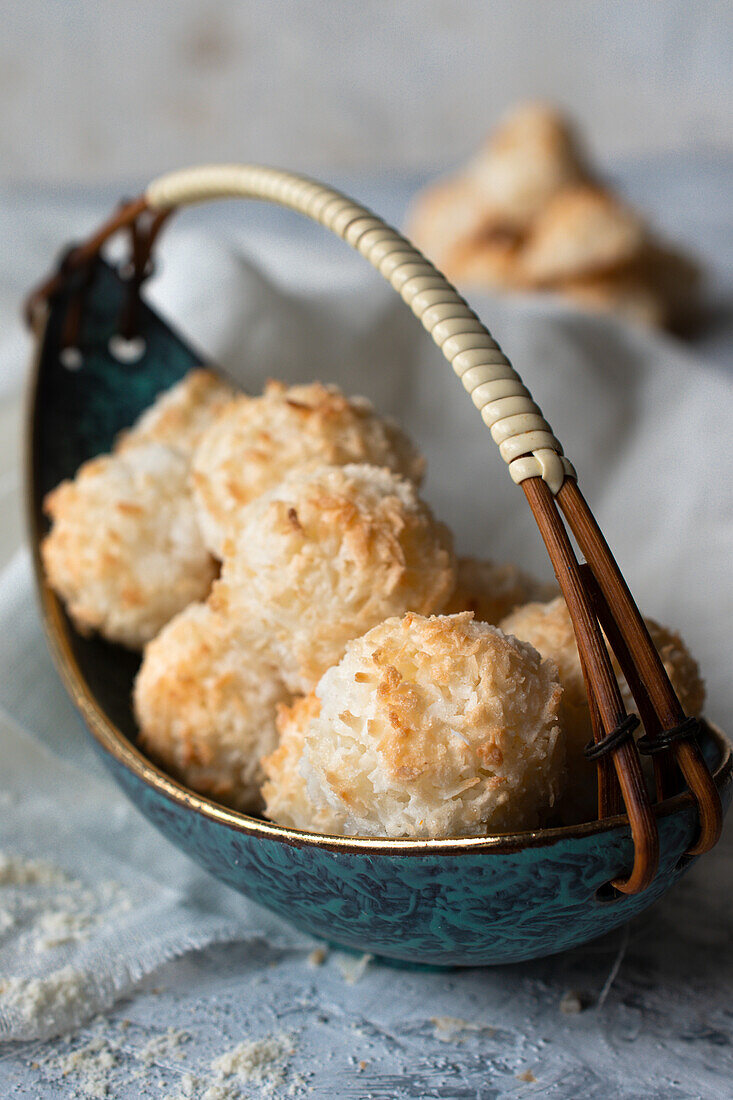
364,547
437,726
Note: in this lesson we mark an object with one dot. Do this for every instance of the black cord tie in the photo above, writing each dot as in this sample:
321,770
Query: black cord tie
614,740
683,732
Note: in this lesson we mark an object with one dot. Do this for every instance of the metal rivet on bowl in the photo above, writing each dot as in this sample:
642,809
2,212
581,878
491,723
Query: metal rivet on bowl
607,894
126,270
127,351
71,358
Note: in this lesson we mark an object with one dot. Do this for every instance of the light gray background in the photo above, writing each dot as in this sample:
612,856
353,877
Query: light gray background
99,89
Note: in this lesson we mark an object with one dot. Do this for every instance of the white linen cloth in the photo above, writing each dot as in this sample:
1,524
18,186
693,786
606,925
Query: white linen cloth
645,423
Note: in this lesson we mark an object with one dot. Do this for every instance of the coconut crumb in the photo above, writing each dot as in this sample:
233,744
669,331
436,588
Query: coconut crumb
17,871
258,1061
61,909
353,970
189,1086
167,1044
42,1001
91,1064
62,926
297,1084
196,1088
221,1092
448,1029
318,956
571,1003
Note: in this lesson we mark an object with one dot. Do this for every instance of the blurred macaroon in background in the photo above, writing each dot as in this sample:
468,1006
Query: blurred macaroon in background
528,212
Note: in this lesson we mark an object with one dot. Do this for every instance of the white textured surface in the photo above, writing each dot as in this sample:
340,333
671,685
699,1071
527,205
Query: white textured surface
662,1027
99,89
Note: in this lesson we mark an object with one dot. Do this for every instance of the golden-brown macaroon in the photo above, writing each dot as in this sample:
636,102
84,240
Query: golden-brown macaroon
180,415
326,555
531,155
526,213
258,440
582,231
205,700
548,627
427,727
491,591
471,223
125,552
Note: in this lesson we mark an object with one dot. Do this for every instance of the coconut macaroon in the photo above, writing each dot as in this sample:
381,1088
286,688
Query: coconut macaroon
180,415
548,627
125,552
528,213
328,554
532,154
491,590
427,727
205,700
258,440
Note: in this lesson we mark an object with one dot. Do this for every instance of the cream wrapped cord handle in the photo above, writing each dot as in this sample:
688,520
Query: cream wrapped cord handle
525,439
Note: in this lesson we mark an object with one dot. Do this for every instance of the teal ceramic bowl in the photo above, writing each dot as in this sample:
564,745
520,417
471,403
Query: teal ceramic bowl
461,902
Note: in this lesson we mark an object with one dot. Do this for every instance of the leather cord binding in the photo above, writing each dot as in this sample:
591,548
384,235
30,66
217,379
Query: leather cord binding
617,737
685,731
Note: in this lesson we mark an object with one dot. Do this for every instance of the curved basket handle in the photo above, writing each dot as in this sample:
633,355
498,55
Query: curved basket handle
524,437
526,443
